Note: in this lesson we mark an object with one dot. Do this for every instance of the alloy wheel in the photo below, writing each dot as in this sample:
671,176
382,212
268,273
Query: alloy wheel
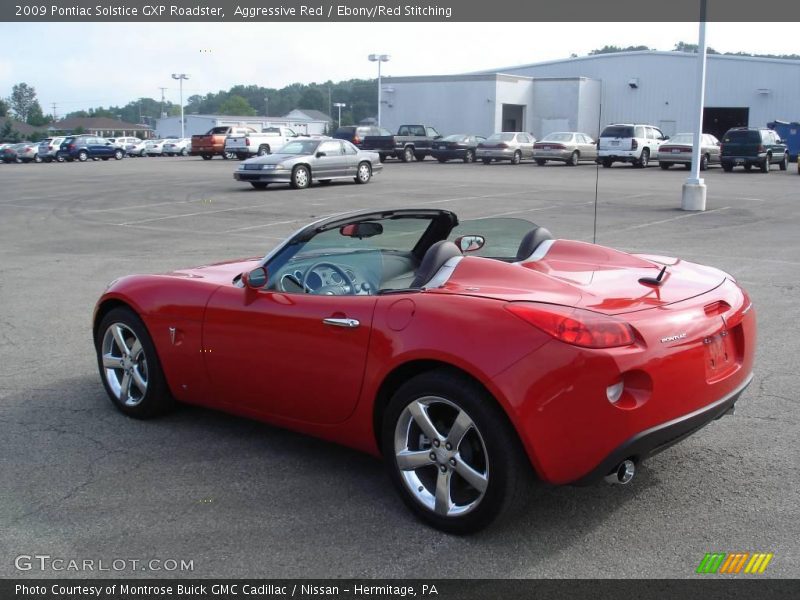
124,364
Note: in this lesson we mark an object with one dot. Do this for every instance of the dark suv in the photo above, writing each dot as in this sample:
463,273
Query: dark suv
750,147
355,134
84,147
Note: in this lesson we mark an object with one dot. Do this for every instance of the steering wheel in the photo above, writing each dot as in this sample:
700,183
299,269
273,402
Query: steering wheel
348,281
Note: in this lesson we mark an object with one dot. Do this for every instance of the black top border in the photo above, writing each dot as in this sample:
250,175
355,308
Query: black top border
105,11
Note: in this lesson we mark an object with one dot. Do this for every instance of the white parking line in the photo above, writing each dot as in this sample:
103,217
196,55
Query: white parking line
659,222
194,214
100,210
249,227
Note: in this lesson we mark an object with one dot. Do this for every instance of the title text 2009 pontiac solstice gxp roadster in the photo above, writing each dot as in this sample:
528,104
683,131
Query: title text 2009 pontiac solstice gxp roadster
464,363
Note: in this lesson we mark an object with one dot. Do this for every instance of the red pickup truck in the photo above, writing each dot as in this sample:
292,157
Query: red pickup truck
212,143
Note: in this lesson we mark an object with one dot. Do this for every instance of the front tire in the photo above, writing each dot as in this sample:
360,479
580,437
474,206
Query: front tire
301,177
607,163
469,157
451,453
129,365
364,173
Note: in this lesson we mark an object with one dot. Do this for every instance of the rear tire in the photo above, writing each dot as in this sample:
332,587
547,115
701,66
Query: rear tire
129,365
262,150
644,159
484,474
541,162
37,159
486,161
382,157
517,158
766,164
727,167
83,156
704,162
469,157
364,173
208,156
119,155
784,164
607,163
408,155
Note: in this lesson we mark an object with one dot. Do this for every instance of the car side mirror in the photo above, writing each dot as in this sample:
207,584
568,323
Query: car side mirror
470,243
255,279
320,154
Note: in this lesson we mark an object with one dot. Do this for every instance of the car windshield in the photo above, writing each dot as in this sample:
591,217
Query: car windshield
620,131
300,147
458,137
742,136
502,235
501,137
557,137
682,138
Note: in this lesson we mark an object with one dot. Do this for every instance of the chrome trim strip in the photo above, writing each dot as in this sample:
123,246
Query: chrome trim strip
540,252
444,273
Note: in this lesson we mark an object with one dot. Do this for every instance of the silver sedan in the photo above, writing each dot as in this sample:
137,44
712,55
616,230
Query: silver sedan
678,151
301,161
513,146
569,147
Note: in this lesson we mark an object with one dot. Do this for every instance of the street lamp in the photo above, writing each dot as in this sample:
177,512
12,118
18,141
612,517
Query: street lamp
379,58
180,77
340,106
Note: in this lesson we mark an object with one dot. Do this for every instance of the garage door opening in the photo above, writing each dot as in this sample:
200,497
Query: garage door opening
513,117
717,121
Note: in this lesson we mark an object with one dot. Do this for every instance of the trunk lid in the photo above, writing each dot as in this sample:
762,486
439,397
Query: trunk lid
586,276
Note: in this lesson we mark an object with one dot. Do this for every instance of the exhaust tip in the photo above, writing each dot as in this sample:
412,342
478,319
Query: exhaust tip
623,474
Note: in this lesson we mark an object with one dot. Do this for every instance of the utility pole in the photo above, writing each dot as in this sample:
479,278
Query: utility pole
163,89
55,118
693,196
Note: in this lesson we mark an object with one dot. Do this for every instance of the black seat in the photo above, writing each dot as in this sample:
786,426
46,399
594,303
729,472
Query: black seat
531,241
438,254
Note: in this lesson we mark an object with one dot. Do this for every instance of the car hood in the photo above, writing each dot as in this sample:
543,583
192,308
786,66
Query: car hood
587,276
222,272
274,159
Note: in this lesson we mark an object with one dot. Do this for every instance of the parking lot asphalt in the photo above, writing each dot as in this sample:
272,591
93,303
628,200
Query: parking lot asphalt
239,498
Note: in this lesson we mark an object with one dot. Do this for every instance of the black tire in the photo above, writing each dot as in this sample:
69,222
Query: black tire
541,162
83,156
442,160
301,177
469,156
208,156
644,159
764,166
263,149
784,164
517,158
119,155
607,162
574,159
259,185
156,399
703,162
420,156
382,157
48,159
408,154
143,154
490,446
184,152
241,156
486,161
664,166
38,159
363,173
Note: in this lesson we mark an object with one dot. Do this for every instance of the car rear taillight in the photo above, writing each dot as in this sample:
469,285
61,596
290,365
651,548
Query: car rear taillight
503,145
634,144
761,148
246,141
575,326
71,147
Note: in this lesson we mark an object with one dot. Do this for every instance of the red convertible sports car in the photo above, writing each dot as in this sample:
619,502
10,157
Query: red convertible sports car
468,355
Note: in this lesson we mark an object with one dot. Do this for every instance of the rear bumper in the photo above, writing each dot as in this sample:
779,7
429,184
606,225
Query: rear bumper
552,154
618,155
659,438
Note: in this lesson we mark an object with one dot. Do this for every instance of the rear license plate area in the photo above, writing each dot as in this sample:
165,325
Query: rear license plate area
720,355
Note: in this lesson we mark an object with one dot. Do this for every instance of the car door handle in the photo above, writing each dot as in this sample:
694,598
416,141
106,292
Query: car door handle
349,323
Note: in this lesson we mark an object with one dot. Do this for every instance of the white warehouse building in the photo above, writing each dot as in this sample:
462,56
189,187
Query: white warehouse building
589,92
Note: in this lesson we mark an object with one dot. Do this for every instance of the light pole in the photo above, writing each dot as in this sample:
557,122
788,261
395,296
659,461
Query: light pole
693,196
379,58
340,106
180,77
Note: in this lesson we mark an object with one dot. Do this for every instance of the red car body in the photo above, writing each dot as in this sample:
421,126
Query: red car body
268,354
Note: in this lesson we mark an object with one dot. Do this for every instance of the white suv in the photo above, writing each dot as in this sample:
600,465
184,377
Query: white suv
631,143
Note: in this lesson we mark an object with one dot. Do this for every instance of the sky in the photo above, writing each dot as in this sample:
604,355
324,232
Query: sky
113,63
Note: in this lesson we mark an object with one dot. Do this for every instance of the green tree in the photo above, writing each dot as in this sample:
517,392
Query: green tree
3,108
236,105
21,100
36,117
313,98
693,48
613,49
